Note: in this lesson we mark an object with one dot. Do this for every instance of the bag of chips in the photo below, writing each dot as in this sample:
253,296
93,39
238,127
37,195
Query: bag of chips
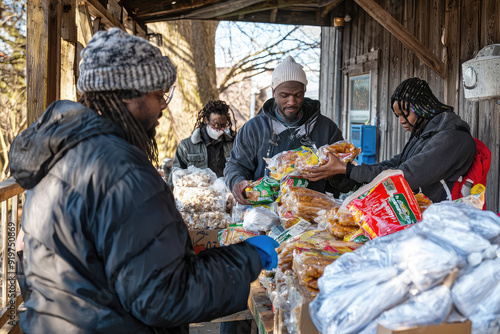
385,205
264,190
287,162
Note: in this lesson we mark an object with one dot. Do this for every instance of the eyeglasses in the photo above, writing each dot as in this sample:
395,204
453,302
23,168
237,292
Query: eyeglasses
218,126
168,95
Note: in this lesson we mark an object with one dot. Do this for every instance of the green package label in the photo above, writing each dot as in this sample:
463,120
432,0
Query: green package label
401,208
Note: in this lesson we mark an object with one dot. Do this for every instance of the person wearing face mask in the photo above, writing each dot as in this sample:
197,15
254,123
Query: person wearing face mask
440,148
211,141
287,121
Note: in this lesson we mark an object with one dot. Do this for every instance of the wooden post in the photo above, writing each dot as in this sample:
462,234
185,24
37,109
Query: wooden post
452,60
68,50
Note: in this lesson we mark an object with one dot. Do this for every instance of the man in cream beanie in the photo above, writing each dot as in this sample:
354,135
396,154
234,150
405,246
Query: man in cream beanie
285,122
105,249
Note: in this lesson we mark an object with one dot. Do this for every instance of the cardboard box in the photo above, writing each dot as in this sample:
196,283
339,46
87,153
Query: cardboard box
455,328
204,239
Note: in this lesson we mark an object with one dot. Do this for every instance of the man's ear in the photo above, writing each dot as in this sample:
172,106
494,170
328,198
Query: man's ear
274,95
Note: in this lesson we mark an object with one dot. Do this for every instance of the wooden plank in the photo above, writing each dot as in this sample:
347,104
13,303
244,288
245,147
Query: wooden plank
452,44
9,188
329,7
220,9
37,57
436,10
403,35
84,24
239,316
97,10
5,262
5,313
68,50
115,9
261,308
384,112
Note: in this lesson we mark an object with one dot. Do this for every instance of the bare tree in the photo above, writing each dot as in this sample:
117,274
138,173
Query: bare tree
12,75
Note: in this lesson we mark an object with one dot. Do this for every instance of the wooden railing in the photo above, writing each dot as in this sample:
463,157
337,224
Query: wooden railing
12,198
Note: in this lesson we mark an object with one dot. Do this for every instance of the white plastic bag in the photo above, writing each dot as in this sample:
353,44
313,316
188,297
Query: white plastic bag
486,316
470,289
260,219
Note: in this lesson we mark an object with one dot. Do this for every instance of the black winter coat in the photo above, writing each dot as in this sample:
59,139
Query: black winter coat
106,250
264,136
444,150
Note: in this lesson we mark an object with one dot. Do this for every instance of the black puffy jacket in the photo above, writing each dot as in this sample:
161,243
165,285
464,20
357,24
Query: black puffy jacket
105,248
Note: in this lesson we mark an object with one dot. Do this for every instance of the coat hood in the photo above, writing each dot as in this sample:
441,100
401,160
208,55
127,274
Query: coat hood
444,121
63,125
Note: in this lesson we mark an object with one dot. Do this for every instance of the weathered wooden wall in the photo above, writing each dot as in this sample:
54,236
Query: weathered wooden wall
471,26
57,32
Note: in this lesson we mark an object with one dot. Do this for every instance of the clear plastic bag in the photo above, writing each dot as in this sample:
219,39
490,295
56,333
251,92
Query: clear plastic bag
234,235
428,308
486,316
344,150
193,177
260,219
205,220
287,162
200,199
427,263
470,289
306,203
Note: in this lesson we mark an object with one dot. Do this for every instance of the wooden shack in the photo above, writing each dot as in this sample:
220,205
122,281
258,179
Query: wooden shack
386,41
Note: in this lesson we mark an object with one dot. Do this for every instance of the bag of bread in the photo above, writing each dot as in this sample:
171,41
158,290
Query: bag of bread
384,206
357,236
287,162
344,150
264,190
233,235
423,201
306,203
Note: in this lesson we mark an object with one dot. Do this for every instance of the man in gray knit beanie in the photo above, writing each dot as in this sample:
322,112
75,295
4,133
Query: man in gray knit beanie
285,122
105,248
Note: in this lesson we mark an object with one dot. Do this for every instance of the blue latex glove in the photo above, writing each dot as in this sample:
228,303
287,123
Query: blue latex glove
266,247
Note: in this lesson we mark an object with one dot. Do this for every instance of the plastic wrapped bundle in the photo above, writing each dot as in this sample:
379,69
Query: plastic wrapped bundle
486,316
234,235
427,263
193,177
470,289
337,292
369,304
260,219
264,190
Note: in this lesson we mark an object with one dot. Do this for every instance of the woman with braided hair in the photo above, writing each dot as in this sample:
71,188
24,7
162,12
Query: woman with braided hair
440,145
211,141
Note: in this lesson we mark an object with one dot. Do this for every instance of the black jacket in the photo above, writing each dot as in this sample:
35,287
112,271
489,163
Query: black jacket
106,250
444,150
264,136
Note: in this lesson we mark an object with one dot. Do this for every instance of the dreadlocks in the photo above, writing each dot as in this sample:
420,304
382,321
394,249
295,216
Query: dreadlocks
421,100
110,105
215,107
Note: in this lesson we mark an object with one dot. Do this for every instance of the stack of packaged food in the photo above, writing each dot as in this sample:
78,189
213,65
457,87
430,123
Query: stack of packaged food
200,198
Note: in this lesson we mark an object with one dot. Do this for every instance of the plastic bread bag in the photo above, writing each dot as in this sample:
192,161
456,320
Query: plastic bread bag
486,316
369,304
287,162
385,205
357,236
291,181
311,262
470,289
427,263
344,150
431,307
193,177
333,216
340,291
264,190
423,202
259,219
306,203
234,235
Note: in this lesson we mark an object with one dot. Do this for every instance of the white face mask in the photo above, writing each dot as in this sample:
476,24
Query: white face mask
214,134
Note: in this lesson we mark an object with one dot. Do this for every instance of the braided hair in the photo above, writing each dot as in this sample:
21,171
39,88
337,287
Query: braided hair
110,105
216,107
421,100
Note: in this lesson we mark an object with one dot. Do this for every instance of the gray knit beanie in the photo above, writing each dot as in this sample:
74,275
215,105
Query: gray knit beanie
288,70
114,60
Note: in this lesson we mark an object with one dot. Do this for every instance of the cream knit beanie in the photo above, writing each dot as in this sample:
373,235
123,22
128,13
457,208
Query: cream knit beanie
114,60
288,70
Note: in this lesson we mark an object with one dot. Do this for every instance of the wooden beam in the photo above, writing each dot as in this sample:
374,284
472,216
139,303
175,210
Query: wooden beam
68,50
403,35
84,24
272,18
97,10
37,53
220,9
330,6
452,60
265,6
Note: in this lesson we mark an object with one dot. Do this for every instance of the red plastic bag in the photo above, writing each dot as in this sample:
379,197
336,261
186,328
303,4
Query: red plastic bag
385,205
